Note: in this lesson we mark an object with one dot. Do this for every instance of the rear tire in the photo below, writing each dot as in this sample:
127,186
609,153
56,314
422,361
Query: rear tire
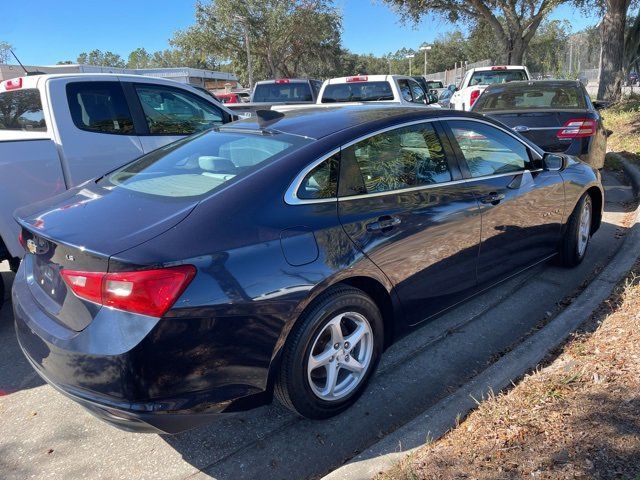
330,354
575,242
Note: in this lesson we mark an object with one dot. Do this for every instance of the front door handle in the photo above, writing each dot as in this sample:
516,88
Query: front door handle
493,198
384,223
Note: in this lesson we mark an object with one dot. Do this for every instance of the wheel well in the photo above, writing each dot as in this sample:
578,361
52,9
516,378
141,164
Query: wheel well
596,198
382,299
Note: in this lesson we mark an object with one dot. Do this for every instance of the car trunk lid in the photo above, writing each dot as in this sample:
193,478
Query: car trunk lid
541,126
74,232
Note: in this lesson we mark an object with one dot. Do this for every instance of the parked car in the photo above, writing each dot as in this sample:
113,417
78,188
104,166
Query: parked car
229,98
282,91
477,79
392,89
58,131
557,115
282,254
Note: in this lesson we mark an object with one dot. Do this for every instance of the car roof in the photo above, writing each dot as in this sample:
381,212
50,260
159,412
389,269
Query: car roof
535,83
319,122
370,78
288,80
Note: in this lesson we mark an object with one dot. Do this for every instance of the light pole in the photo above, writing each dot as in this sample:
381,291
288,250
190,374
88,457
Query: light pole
425,48
245,31
410,57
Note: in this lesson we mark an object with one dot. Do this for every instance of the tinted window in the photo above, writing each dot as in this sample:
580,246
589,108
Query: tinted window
22,110
434,84
403,158
170,111
282,92
357,92
487,150
99,107
321,182
490,77
198,165
419,95
405,90
531,96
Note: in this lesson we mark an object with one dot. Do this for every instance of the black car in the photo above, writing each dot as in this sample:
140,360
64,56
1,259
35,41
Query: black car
557,115
281,255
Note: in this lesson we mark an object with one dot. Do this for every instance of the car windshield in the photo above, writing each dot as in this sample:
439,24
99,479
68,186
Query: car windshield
283,92
357,92
198,165
489,77
531,97
434,84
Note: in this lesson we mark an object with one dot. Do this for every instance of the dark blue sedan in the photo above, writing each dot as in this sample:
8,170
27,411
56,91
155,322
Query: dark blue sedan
281,255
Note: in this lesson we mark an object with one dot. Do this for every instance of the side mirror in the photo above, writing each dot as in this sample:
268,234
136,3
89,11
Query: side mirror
431,98
552,162
598,104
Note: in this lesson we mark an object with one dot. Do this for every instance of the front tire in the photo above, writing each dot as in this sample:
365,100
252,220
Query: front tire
578,234
331,354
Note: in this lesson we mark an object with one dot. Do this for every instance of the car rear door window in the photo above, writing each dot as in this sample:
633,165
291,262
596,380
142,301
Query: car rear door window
22,110
170,111
403,158
99,107
487,150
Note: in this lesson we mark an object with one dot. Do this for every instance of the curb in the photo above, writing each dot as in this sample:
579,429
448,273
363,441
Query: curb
630,170
443,416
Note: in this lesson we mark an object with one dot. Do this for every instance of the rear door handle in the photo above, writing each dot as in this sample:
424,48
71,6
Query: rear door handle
493,198
384,223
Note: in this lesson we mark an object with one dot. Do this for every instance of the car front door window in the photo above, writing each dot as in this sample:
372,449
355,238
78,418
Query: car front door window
487,150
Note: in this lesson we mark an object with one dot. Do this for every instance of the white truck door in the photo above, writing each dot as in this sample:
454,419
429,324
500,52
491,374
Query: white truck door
94,128
168,113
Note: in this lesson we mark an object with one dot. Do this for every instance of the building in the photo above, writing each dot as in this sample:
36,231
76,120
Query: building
193,76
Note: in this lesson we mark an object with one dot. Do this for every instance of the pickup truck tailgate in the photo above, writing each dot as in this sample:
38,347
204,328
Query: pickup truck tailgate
30,171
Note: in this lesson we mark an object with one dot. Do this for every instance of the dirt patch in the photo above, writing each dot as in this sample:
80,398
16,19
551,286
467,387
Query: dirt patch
577,418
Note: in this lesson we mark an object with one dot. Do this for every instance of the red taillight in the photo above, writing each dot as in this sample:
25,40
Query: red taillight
474,96
147,292
357,78
13,84
21,240
578,128
282,80
499,68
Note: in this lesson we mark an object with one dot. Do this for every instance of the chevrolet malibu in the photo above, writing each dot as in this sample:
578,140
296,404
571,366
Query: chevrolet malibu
280,255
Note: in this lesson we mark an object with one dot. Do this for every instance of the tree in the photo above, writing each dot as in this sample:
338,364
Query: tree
612,30
520,19
547,49
139,58
101,59
286,37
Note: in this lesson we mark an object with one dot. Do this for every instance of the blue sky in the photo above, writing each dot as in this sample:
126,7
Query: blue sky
44,32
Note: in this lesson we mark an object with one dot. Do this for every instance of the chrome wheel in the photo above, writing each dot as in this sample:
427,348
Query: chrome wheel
340,356
584,228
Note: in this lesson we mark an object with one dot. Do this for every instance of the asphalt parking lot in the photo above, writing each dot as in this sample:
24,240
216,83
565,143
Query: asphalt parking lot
45,435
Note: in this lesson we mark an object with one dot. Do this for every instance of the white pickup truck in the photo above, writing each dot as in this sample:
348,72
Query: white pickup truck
477,79
58,131
374,88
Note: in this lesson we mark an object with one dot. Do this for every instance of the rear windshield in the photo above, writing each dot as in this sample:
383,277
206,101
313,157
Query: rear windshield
434,84
531,97
22,110
357,92
489,77
196,166
283,92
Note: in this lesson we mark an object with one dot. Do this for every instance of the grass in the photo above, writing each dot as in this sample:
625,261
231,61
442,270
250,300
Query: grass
623,119
576,418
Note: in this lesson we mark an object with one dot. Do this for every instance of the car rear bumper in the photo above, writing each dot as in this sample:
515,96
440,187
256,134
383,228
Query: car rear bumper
113,369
